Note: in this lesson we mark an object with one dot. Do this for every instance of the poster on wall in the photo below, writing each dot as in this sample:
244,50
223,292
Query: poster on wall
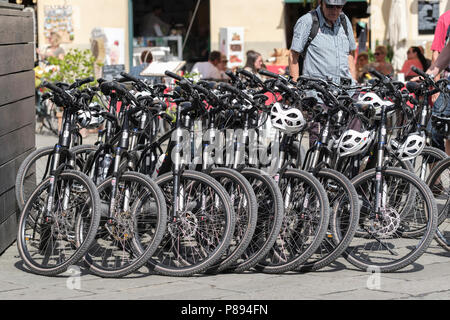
115,46
231,41
428,12
58,18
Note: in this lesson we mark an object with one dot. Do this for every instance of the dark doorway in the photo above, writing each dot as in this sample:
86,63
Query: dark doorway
178,15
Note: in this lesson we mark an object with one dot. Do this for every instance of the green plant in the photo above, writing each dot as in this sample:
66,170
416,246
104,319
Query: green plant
76,64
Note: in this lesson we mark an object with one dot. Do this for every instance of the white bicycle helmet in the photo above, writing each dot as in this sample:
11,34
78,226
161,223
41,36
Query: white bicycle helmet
289,121
372,99
410,148
353,142
89,118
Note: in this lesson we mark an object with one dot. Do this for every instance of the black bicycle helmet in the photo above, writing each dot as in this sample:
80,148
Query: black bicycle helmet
336,2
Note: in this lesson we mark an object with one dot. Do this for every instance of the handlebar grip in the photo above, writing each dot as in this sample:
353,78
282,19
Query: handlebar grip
250,75
46,96
84,81
284,87
268,73
376,74
231,75
52,87
129,77
201,89
108,86
227,87
173,75
420,72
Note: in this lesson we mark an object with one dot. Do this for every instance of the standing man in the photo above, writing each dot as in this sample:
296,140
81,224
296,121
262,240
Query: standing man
331,52
441,38
328,54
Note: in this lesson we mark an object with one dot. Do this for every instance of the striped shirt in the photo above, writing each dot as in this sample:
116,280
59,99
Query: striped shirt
327,55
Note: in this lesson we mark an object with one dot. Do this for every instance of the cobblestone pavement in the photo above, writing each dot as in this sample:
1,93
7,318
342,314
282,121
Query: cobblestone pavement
427,278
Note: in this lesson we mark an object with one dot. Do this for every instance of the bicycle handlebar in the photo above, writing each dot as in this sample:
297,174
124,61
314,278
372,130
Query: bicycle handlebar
173,75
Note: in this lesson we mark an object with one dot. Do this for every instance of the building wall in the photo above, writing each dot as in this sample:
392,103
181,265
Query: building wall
16,109
263,23
379,21
88,14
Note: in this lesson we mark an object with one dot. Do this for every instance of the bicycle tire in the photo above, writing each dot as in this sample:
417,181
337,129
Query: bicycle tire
344,217
189,231
269,222
358,252
246,209
430,155
90,206
439,182
298,238
117,250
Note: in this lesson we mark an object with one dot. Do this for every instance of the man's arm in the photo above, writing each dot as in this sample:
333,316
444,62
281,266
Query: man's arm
441,62
294,69
351,65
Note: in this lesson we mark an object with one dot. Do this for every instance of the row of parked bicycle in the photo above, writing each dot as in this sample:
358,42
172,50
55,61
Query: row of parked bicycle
151,193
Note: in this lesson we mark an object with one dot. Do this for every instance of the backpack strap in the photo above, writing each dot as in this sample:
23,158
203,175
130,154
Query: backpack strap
312,33
315,29
344,23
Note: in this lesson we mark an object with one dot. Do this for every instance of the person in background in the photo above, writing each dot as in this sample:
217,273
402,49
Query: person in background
439,63
146,59
422,50
415,58
54,49
209,69
323,57
380,64
329,55
222,66
254,61
361,66
153,25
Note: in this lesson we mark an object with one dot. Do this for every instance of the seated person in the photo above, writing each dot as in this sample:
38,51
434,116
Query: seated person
209,69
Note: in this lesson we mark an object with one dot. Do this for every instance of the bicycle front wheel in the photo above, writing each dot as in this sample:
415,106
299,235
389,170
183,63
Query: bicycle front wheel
396,236
439,183
130,234
200,233
305,222
47,240
344,217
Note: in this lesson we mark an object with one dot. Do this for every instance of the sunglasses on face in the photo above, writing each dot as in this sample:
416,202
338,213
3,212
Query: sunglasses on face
330,7
377,53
